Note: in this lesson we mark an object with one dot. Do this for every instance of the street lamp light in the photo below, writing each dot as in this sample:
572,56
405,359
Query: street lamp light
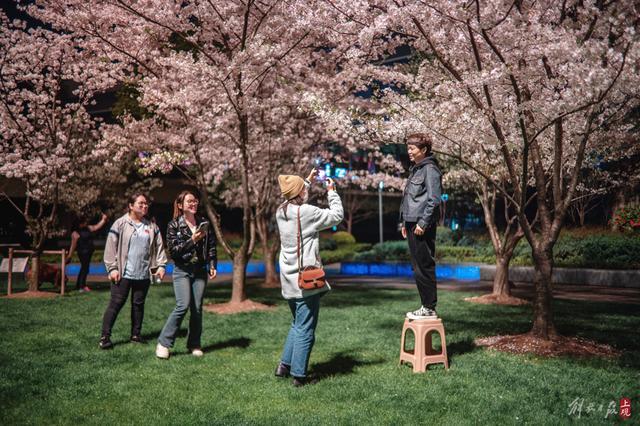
380,188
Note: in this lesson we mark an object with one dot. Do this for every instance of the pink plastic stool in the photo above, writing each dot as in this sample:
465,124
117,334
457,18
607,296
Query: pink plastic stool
423,353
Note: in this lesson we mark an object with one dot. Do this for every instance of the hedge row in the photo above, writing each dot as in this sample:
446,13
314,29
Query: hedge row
602,251
615,251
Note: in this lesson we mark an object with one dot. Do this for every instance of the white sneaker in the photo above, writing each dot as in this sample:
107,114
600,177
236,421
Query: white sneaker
162,352
197,352
422,313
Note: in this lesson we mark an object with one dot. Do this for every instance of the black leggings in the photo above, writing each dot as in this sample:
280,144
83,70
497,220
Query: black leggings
422,249
85,262
119,294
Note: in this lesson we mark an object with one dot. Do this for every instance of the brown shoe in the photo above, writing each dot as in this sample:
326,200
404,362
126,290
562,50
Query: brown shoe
303,381
137,339
283,370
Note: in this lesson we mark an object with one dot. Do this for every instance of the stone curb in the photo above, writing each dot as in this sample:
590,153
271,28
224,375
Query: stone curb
596,277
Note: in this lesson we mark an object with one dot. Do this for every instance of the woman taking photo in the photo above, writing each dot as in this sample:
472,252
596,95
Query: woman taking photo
299,224
192,247
133,252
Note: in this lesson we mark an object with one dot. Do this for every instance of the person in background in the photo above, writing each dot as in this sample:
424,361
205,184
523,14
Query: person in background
82,242
134,251
295,216
419,215
191,243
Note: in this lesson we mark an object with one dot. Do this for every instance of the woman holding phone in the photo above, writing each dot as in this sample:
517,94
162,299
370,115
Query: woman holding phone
192,247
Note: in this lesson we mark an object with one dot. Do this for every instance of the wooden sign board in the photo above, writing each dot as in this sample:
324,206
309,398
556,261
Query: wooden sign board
19,264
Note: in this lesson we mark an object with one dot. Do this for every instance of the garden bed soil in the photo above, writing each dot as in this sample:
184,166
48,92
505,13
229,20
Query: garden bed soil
494,299
32,295
555,347
237,307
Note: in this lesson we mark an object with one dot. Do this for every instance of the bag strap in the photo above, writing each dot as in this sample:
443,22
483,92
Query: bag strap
300,246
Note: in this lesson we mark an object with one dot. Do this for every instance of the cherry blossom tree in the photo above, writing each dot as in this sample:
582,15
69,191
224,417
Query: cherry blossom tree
360,185
207,72
540,80
290,140
505,240
47,139
594,184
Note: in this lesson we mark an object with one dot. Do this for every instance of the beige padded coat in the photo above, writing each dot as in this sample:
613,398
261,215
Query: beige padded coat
313,220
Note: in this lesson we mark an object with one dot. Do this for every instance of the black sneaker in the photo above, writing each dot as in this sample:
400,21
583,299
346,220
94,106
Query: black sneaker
137,339
105,343
422,313
303,381
282,370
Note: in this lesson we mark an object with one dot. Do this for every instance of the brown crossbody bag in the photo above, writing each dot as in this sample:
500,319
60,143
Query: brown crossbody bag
309,277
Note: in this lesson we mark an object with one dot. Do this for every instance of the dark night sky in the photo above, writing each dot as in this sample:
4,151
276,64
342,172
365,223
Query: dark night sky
10,8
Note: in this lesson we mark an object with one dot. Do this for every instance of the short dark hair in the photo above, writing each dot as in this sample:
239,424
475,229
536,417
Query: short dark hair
133,197
421,140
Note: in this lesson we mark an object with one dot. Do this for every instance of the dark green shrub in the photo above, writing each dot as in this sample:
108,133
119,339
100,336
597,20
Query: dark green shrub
385,252
602,251
569,251
444,236
611,251
328,244
343,237
456,235
467,241
343,253
458,254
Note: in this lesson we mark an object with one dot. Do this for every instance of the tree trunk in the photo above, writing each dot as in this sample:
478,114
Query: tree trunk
269,253
238,291
501,280
271,278
503,248
349,221
543,325
37,244
242,255
34,278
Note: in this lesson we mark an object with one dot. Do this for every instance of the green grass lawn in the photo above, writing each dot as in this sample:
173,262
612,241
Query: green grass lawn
52,372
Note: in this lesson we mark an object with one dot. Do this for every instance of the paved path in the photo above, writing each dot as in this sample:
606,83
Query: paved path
522,289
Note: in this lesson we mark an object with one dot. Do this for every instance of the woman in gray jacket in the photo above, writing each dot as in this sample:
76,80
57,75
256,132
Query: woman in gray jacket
133,252
304,304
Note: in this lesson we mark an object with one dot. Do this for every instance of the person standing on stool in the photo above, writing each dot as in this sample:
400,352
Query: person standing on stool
304,304
192,246
134,251
419,216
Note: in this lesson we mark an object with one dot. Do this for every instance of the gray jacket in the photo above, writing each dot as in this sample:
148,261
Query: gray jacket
117,247
421,197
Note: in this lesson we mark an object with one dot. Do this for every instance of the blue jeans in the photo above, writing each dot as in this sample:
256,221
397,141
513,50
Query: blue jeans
297,347
188,285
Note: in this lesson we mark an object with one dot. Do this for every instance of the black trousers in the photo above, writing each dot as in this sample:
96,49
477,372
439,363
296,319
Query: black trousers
119,294
422,249
85,261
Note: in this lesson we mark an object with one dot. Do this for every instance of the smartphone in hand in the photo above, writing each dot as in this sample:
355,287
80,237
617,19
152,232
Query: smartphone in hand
203,226
330,184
